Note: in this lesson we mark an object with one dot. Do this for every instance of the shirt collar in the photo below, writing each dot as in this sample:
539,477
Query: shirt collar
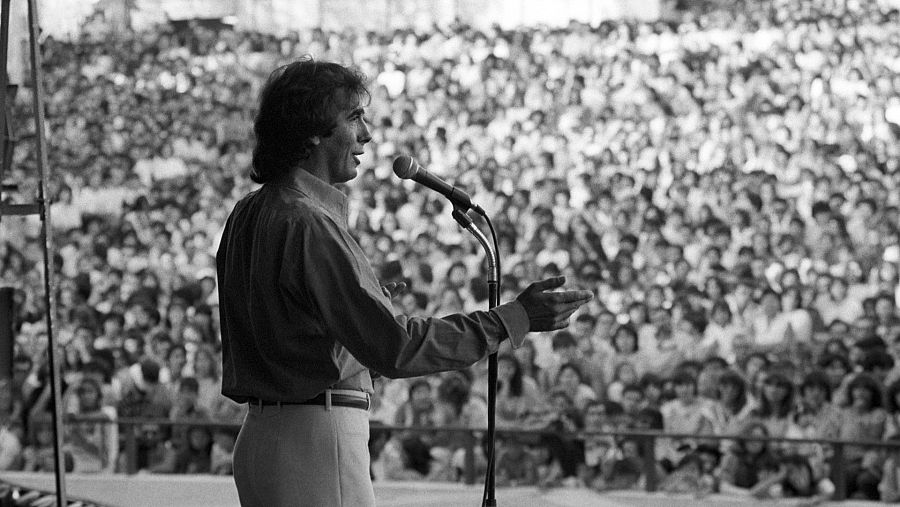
332,200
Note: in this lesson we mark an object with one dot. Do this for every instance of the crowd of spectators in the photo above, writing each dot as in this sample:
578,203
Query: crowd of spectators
726,184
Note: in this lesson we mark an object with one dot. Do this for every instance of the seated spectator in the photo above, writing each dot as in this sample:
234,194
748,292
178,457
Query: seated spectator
407,459
892,407
205,369
565,351
516,465
863,418
38,455
564,453
836,367
625,344
889,487
686,414
695,473
456,407
794,478
666,356
600,451
195,457
625,470
93,438
142,394
221,460
745,460
625,374
516,394
10,433
419,408
570,381
722,332
526,355
652,389
776,404
732,405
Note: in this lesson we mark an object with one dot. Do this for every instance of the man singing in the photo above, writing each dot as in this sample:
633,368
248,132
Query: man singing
303,316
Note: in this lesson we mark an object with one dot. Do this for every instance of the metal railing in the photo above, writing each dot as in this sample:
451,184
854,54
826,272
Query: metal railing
469,440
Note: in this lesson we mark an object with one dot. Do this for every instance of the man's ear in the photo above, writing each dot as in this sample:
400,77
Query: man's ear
315,140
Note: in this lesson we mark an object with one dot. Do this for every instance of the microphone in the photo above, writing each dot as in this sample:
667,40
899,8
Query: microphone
407,168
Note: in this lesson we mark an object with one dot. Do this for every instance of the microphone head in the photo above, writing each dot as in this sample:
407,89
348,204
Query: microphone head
405,167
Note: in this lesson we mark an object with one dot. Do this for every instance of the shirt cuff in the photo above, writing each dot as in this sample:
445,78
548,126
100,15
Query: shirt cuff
514,318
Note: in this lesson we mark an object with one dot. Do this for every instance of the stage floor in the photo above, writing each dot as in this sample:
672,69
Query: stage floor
214,491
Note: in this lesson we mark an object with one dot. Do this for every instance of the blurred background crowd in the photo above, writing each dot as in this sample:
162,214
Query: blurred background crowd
726,184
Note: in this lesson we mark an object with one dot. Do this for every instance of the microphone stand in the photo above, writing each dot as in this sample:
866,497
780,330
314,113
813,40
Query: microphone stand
493,283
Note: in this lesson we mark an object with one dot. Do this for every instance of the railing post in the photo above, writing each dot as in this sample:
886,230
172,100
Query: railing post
649,454
131,464
470,457
838,475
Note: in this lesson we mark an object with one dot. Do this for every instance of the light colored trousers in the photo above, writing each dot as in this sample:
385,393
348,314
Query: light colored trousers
303,455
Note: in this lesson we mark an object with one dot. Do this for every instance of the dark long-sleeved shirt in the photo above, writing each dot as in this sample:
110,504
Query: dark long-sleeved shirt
302,310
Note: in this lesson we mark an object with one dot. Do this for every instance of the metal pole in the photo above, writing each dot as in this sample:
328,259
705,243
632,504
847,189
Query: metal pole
47,240
493,282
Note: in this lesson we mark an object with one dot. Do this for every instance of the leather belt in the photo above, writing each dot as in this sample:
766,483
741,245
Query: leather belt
329,398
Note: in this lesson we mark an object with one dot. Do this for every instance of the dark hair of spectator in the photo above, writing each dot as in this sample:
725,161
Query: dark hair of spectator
613,408
570,366
877,358
733,378
835,346
630,331
650,379
866,381
790,489
300,101
890,397
740,445
816,378
189,384
416,384
828,359
418,454
150,370
563,339
684,378
515,382
783,408
89,383
632,387
651,417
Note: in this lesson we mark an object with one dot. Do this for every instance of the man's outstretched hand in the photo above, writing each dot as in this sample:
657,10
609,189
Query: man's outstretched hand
549,311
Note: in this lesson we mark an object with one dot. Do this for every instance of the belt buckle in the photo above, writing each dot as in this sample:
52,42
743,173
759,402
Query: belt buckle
327,399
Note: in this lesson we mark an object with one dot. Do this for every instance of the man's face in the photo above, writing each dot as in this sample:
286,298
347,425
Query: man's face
338,152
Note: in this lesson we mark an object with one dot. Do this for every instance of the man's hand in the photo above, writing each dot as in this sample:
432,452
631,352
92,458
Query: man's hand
393,289
549,311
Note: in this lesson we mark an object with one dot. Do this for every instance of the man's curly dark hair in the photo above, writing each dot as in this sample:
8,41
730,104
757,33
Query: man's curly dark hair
299,101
